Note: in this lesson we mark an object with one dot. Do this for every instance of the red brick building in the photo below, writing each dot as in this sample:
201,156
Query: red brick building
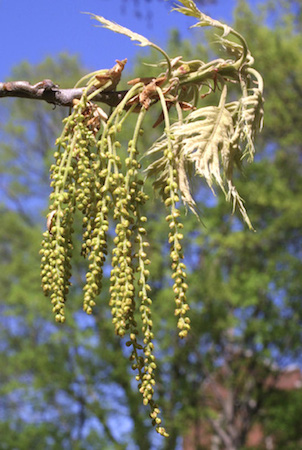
200,436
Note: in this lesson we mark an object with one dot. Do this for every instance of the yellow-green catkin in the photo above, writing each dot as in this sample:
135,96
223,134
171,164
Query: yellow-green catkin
129,258
179,275
96,223
86,191
146,376
57,243
123,270
171,198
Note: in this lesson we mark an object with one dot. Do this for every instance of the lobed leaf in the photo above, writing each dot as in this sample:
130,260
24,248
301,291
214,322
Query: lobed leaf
205,141
143,42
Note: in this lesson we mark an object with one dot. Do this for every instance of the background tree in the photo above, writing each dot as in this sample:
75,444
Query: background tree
245,298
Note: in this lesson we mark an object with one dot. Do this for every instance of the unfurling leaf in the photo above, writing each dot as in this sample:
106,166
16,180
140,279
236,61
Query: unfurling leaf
205,140
143,42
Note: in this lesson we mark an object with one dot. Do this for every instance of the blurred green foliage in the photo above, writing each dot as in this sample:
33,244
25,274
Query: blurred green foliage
69,386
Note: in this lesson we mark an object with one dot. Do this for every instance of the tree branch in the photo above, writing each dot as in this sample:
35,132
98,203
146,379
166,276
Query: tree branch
223,435
51,93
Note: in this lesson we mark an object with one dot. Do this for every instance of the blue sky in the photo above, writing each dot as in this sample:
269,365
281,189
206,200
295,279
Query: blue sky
33,30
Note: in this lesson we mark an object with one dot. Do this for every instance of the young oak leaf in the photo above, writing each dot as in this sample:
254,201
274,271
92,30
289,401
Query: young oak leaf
143,42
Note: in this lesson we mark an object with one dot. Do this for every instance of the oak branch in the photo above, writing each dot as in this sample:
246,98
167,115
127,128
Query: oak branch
51,93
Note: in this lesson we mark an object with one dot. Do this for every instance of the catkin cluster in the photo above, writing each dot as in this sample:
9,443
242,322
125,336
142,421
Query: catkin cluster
91,176
76,183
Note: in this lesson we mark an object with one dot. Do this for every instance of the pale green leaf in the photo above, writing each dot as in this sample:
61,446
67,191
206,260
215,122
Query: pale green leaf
248,114
204,141
143,42
190,9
